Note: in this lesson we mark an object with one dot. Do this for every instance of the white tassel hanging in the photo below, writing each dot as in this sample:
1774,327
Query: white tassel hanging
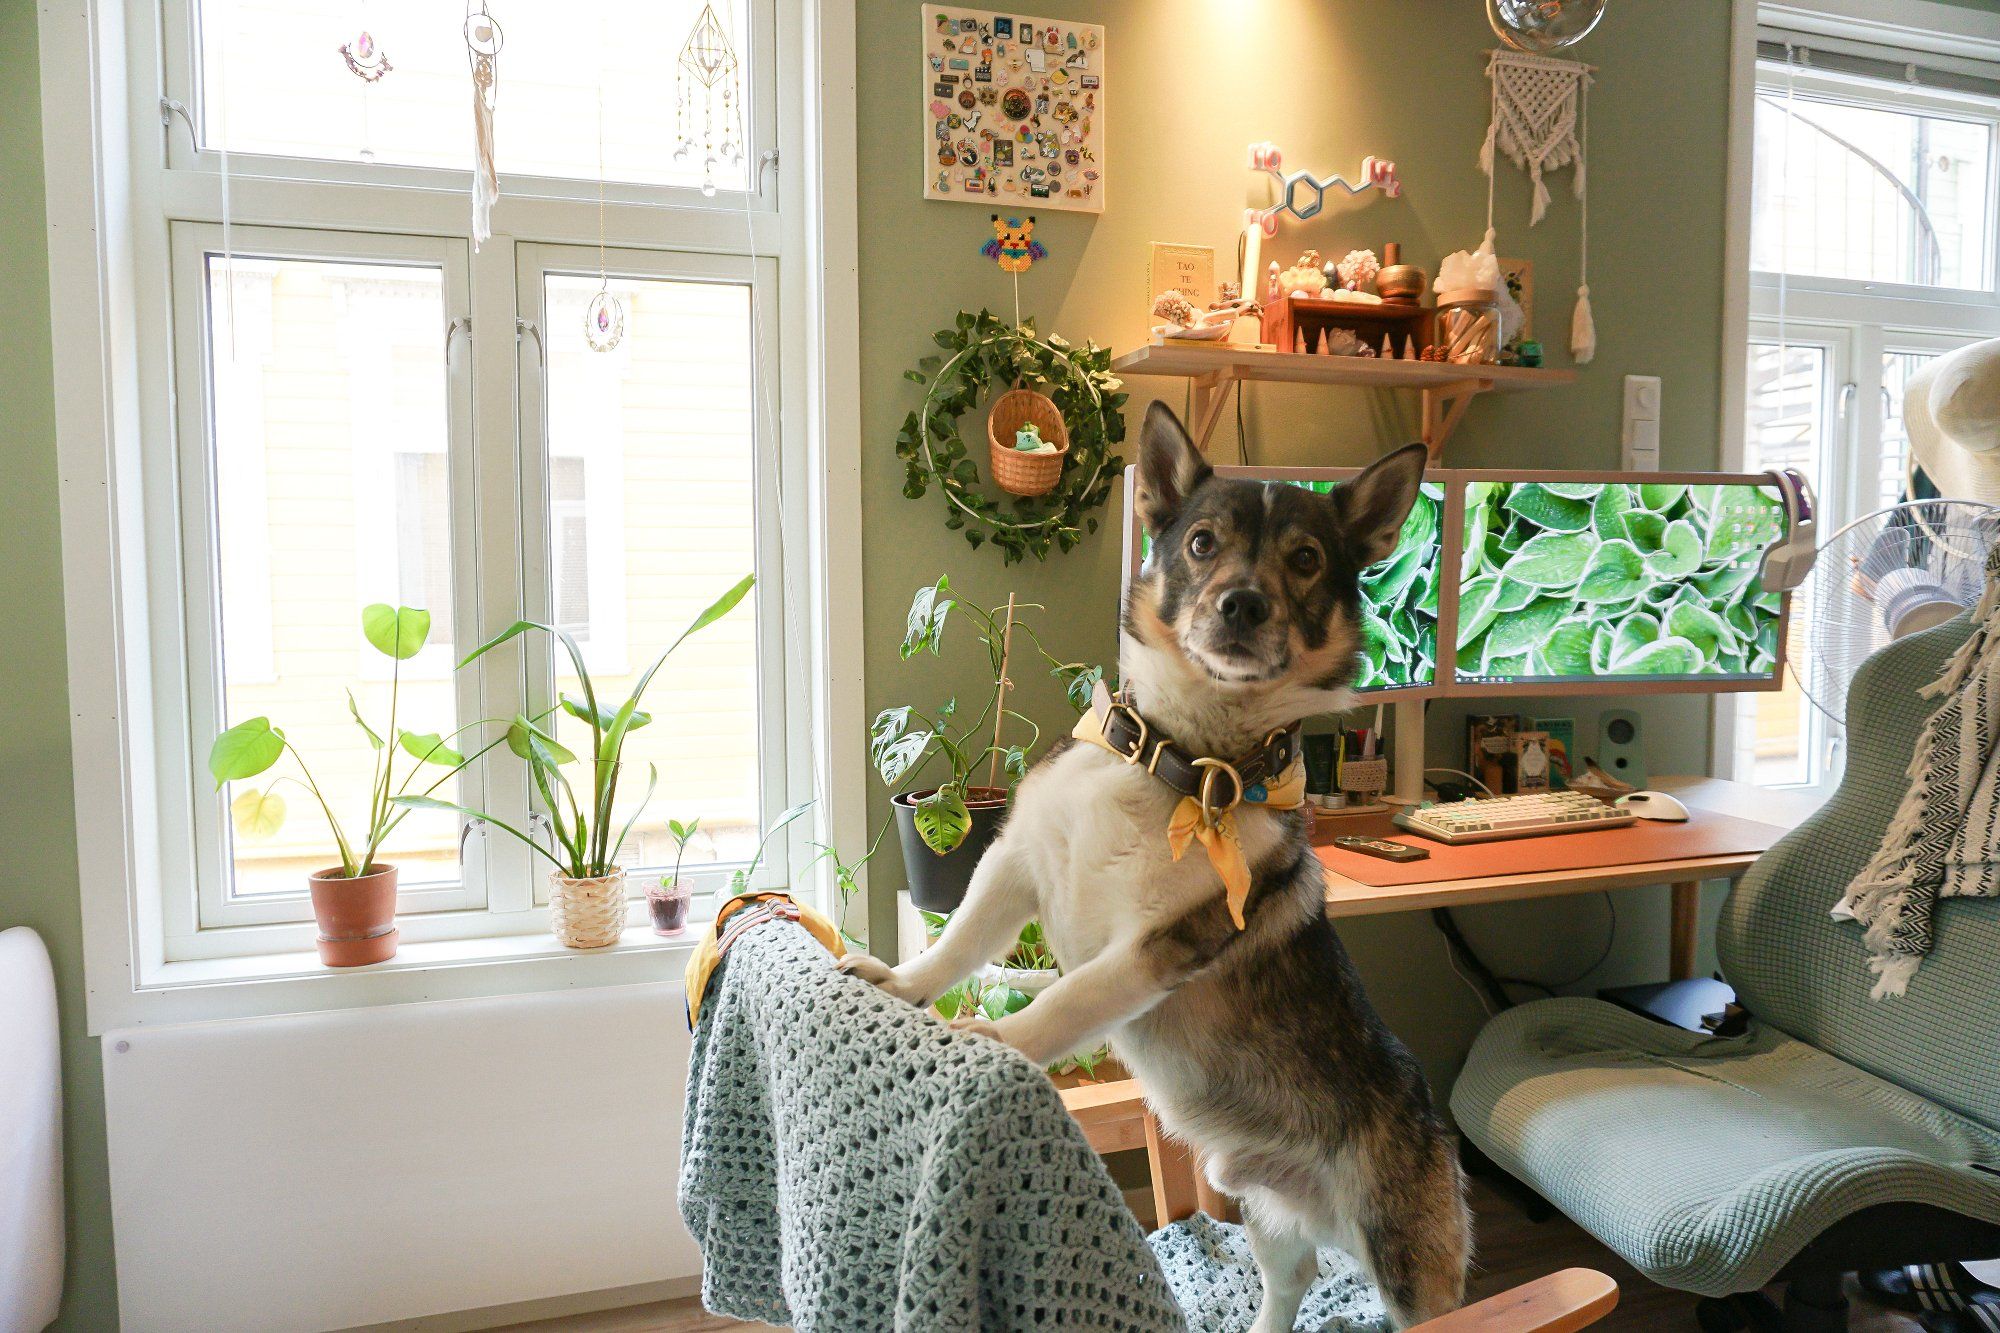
1582,326
483,39
1582,329
485,177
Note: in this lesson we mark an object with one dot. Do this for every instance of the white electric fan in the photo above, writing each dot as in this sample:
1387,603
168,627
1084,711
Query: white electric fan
1883,577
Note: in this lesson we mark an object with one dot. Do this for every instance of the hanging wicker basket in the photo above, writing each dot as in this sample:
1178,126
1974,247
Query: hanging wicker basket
1015,472
587,913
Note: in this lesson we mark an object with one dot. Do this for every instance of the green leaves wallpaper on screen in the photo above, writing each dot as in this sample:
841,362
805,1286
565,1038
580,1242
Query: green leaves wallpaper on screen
1399,599
1569,579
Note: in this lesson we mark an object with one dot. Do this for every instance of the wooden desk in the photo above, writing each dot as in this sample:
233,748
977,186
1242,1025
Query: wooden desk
1779,811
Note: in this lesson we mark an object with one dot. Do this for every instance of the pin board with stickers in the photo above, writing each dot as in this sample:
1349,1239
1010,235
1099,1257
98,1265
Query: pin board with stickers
1013,109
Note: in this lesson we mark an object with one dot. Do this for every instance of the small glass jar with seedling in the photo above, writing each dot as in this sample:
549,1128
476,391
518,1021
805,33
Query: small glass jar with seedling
668,900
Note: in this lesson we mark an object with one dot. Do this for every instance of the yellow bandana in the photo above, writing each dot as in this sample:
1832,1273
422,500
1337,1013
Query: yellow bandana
749,910
1217,833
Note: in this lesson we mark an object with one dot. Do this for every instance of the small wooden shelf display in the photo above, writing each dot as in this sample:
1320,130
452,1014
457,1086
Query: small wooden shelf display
1447,389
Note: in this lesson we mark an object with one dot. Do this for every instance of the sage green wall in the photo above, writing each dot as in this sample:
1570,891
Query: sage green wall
1189,89
1189,85
37,817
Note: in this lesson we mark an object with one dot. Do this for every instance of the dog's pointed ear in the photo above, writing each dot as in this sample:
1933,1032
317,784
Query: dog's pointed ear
1170,468
1374,504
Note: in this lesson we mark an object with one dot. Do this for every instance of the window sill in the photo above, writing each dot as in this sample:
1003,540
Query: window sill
256,985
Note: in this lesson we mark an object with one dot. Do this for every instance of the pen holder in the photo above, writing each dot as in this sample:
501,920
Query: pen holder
1366,777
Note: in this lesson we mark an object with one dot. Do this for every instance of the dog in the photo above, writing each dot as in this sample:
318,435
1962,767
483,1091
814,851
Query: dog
1256,1044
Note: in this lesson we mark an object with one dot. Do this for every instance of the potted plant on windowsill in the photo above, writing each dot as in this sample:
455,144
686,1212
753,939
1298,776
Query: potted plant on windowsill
586,884
353,902
945,829
667,902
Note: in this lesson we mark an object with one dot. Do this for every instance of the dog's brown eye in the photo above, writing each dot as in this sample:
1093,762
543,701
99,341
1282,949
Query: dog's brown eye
1202,544
1305,560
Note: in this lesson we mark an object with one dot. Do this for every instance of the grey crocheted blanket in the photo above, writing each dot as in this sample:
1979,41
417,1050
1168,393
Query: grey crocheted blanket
849,1164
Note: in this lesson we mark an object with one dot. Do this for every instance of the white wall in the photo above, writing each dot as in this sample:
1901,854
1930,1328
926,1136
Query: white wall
327,1170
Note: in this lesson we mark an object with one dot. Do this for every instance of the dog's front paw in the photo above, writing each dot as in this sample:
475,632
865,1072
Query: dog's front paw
978,1026
866,966
877,974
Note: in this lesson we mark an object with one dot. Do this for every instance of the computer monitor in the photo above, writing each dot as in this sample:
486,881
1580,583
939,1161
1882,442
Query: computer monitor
1399,597
1577,582
1548,583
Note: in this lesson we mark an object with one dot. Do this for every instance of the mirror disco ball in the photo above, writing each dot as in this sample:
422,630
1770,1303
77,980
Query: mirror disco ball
1543,25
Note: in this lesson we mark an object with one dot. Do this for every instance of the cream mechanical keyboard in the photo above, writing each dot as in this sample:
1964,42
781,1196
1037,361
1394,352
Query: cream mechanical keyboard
1525,816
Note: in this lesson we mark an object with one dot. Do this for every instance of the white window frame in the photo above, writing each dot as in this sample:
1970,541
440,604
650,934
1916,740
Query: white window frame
1856,321
192,637
775,682
117,170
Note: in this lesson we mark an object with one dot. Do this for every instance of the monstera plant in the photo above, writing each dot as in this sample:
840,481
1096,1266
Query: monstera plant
1575,579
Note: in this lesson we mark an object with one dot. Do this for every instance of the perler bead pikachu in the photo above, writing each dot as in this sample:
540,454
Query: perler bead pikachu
1013,246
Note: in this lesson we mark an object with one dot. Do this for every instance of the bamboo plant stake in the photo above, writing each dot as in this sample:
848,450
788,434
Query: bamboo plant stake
1000,709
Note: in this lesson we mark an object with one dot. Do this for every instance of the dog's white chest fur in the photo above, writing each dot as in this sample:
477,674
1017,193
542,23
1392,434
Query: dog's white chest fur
1094,830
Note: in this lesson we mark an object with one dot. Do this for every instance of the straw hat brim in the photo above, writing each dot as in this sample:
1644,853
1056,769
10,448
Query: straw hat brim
1951,412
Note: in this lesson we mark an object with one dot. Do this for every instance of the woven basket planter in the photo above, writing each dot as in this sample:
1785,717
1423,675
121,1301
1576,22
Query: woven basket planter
587,913
1015,472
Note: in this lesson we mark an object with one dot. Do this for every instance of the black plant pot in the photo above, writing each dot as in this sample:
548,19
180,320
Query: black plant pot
938,883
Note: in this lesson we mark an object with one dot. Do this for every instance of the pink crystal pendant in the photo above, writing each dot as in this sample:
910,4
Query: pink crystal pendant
604,321
365,60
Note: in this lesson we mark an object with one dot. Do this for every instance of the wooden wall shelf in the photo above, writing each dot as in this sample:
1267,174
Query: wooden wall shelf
1447,389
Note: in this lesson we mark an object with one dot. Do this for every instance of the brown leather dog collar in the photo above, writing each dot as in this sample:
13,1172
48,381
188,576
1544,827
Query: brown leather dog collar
1132,738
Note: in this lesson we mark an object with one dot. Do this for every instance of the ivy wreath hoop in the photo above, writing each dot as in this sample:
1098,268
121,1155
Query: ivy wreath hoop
980,352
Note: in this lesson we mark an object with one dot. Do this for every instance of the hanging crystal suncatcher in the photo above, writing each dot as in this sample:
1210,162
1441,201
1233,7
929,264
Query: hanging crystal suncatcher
604,317
365,60
604,320
709,60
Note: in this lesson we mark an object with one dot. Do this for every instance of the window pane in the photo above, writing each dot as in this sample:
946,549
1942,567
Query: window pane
274,80
1869,193
652,516
1897,367
331,493
1786,428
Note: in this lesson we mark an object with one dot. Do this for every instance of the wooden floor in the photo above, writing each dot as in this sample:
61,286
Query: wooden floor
1511,1250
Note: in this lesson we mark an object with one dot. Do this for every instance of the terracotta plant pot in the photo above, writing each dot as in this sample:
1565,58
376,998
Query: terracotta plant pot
357,917
938,883
668,902
587,913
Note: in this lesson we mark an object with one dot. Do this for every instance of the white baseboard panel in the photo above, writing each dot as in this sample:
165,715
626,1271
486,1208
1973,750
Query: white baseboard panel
361,1167
565,1308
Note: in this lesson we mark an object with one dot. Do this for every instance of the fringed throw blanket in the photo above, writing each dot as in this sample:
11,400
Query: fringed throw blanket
1946,834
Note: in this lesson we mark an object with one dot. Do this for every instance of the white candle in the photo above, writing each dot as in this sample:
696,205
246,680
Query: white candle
1253,244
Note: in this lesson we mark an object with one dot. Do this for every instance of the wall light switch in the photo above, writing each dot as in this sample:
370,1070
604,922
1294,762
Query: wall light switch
1642,424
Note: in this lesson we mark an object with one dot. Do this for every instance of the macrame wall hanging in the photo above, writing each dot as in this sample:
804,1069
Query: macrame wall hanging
709,76
483,40
1540,120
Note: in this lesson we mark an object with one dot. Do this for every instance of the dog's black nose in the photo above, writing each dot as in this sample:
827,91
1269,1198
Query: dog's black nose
1244,609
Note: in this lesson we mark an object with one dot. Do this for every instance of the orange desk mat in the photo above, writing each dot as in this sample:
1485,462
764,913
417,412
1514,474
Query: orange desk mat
1705,834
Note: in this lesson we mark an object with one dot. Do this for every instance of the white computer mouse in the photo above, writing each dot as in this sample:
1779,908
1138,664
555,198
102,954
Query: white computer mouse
1654,805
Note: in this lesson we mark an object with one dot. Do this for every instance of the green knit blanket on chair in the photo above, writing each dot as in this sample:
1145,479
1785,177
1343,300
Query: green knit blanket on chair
849,1164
